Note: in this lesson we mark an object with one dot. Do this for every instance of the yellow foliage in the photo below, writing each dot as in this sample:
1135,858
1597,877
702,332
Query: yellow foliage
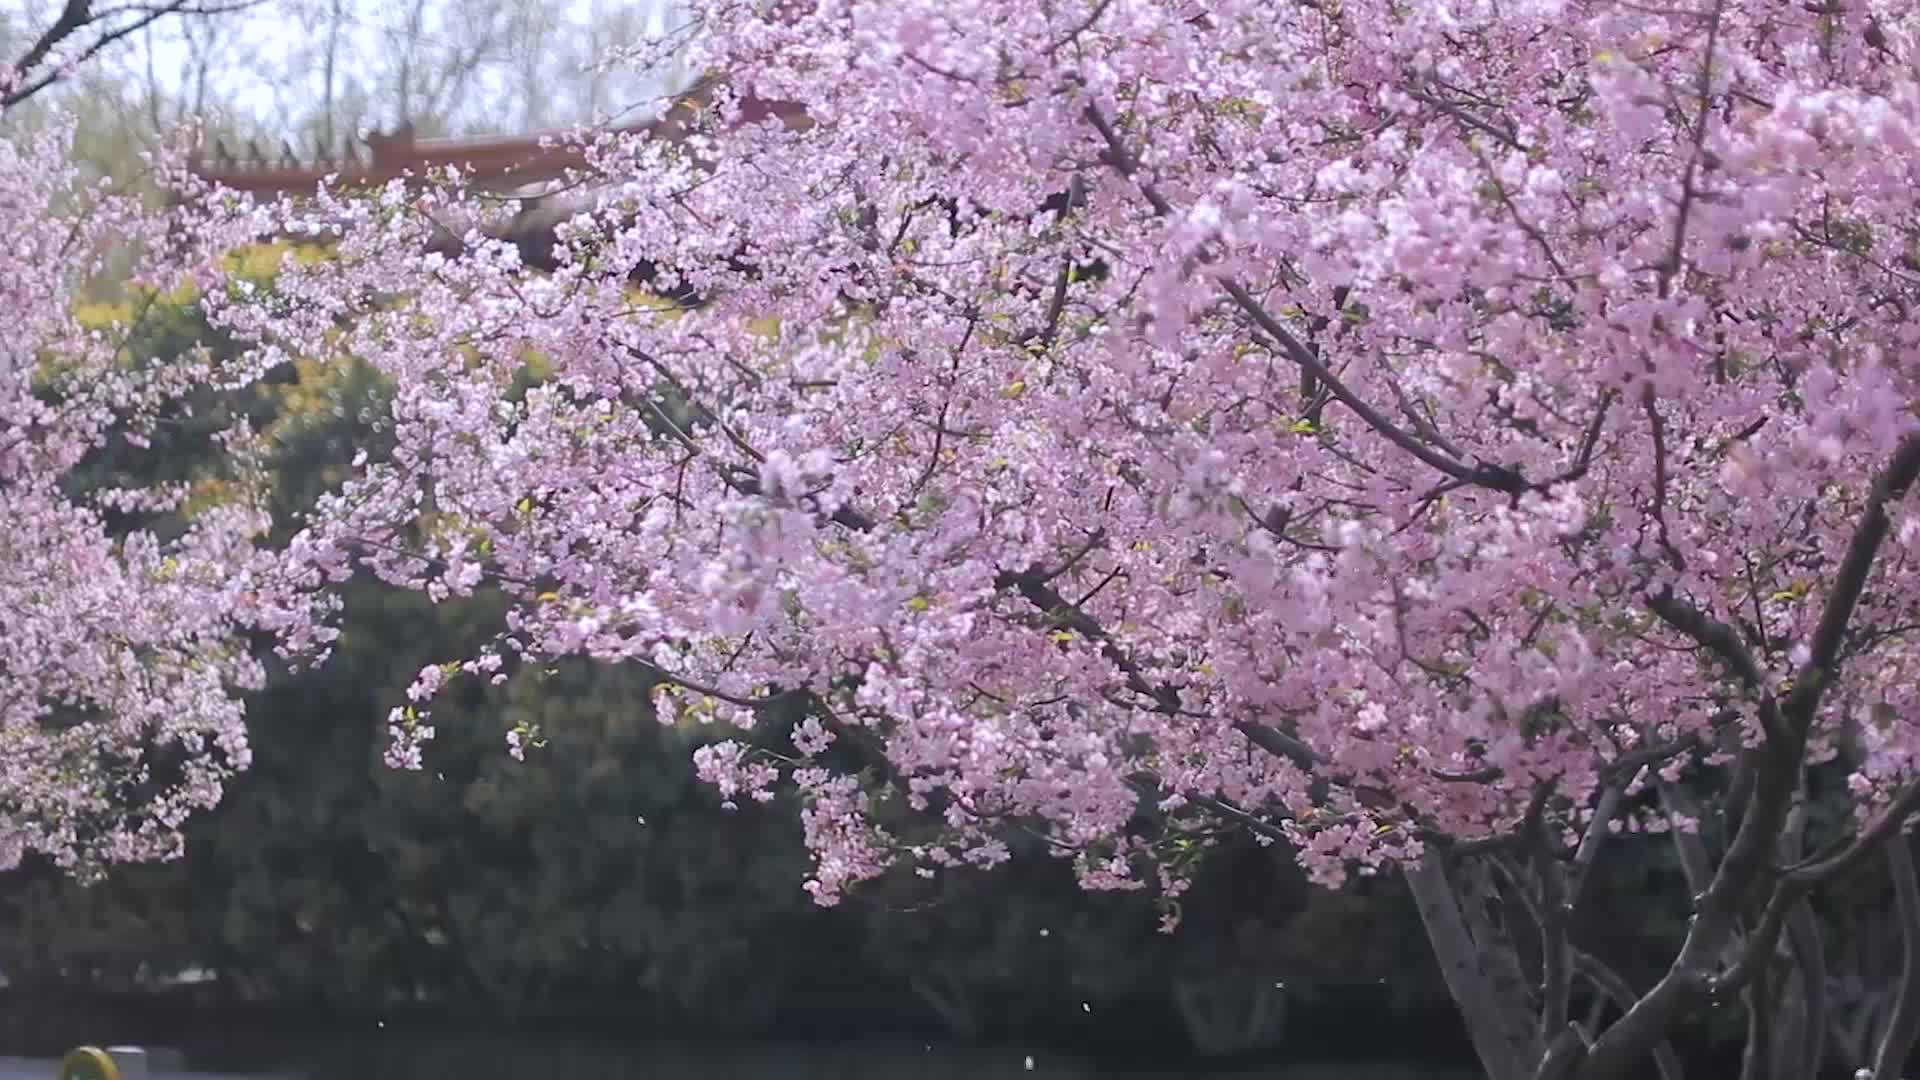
208,492
102,315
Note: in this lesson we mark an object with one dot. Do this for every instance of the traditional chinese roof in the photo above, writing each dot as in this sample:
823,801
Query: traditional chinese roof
496,163
524,166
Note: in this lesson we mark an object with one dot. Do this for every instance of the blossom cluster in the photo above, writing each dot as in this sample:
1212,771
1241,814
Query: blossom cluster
123,653
1370,422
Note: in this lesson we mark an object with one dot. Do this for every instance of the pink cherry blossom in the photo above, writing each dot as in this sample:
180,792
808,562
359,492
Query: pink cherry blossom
122,655
1399,429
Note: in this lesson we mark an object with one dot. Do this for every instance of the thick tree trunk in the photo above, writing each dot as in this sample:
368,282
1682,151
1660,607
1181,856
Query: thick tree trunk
1497,1020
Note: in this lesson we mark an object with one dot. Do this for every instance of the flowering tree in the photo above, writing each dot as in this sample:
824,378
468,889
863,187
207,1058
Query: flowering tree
1439,437
122,647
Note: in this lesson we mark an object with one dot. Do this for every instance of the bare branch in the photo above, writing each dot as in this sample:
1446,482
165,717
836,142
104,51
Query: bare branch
1903,1027
1695,864
1756,1060
1611,984
19,82
74,15
1809,957
1597,832
1802,878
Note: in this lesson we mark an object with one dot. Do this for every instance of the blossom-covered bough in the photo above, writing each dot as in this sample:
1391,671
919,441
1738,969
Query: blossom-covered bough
1426,434
124,651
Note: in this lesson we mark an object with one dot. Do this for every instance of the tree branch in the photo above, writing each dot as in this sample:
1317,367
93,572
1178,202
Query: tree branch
1756,1063
1798,881
1610,983
1562,1054
1809,957
1123,161
1689,980
1838,858
1597,832
1717,637
1903,1026
74,15
78,15
1824,648
1695,864
1556,949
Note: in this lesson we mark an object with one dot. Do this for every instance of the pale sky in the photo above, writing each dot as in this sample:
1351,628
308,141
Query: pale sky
258,68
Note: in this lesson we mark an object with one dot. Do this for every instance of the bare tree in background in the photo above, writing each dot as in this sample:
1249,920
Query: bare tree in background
536,58
81,30
503,65
317,74
611,24
178,85
403,44
212,49
336,10
447,67
444,69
